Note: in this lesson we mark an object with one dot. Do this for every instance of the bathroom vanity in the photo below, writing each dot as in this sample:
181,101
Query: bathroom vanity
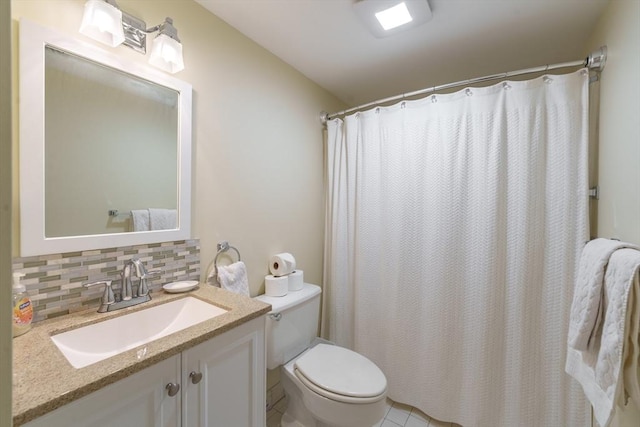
212,373
209,374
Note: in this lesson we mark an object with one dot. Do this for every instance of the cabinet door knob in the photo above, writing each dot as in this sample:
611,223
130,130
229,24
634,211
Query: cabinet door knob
196,377
173,389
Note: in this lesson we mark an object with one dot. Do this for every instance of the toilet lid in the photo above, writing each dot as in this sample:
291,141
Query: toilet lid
341,371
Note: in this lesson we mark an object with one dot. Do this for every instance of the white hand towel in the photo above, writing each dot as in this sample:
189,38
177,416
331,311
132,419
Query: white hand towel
234,278
586,306
599,369
140,220
162,219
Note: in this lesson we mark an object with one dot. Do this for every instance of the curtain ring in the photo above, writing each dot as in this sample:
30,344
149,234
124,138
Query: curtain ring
468,92
403,104
434,99
506,85
377,110
547,79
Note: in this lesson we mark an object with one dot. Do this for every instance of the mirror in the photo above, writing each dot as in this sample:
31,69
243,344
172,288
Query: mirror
103,141
127,143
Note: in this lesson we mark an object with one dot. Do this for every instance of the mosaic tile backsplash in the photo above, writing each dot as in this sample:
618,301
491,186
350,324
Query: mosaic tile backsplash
55,282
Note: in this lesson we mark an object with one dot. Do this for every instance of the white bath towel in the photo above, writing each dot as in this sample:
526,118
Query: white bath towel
586,307
605,380
631,355
162,219
234,278
140,220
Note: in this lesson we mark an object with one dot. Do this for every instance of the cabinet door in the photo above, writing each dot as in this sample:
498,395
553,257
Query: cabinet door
136,401
231,392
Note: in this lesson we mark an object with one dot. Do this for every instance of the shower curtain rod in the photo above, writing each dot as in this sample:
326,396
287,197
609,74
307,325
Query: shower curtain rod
595,61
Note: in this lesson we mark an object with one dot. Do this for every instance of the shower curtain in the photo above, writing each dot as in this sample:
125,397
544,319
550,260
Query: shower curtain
454,226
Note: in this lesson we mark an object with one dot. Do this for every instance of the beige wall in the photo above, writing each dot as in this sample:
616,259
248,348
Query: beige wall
619,136
257,153
5,214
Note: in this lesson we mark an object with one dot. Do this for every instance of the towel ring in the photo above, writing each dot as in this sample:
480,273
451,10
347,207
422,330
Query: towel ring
222,248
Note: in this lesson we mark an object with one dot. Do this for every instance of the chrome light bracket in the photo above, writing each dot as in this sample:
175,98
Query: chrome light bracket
135,34
167,29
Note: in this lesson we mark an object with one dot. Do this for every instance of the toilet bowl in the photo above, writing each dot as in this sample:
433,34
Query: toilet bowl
327,385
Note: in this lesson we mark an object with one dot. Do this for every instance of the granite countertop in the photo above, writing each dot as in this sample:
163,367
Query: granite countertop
43,379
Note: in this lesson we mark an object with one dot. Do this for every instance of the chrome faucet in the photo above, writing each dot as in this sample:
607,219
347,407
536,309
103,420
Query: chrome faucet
143,274
125,276
127,296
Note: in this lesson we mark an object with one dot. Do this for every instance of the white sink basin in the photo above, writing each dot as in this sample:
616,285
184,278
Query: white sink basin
93,343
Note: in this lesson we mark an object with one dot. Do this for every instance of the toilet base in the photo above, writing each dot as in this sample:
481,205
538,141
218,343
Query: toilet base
288,421
296,415
309,409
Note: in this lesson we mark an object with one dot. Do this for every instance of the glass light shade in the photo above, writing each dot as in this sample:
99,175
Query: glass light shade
102,22
166,54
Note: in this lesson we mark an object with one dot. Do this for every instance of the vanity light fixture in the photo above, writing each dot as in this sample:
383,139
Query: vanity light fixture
384,18
105,22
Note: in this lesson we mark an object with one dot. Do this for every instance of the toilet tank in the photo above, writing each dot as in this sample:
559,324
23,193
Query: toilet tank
292,323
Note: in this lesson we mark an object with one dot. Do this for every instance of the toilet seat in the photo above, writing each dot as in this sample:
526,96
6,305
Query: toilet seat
340,374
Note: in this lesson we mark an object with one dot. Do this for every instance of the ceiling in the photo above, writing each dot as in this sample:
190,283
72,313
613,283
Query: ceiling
325,41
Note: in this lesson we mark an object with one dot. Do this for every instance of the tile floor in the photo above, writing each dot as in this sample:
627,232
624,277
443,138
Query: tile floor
397,415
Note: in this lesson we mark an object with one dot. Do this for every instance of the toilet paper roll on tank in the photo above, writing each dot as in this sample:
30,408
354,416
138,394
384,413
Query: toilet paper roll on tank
284,277
282,264
296,280
276,286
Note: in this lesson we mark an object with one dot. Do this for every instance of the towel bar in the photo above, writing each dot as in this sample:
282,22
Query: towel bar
115,212
222,248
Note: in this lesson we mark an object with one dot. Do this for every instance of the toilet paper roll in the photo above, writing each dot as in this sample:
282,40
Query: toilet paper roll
296,280
282,264
276,286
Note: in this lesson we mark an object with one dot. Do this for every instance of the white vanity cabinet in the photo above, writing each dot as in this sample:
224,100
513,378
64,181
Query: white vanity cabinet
139,400
231,389
230,392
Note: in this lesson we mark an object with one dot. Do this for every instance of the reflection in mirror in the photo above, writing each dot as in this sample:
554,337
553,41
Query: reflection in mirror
110,144
99,134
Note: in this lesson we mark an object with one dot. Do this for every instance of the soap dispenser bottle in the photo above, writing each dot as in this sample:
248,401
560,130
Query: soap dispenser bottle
22,308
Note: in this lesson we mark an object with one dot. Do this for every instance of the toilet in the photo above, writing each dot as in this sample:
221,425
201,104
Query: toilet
327,385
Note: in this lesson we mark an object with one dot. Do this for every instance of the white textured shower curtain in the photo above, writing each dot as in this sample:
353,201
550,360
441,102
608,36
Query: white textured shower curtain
454,227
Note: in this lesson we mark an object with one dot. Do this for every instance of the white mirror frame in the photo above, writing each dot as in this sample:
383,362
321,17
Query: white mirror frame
33,39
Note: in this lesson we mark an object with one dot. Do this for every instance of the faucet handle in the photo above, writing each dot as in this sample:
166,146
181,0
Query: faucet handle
141,271
107,297
143,288
152,273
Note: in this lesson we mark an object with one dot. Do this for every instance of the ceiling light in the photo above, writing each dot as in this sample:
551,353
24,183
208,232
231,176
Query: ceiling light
105,22
394,16
384,18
